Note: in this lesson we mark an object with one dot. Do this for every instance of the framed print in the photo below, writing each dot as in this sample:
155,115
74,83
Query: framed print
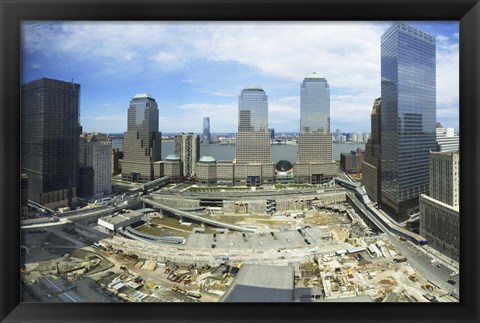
239,161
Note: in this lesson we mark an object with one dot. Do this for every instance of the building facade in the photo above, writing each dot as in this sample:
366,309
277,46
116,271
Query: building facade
444,177
172,167
252,149
371,166
206,137
117,155
408,117
23,194
142,141
439,211
314,159
207,171
95,151
49,141
352,162
187,147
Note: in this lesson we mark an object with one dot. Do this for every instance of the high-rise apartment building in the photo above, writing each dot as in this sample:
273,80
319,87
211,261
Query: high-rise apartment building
206,130
253,139
142,140
187,147
408,116
314,159
95,152
371,168
49,141
439,210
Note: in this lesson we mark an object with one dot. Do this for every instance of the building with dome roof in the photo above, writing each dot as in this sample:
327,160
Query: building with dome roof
284,172
171,166
207,171
142,140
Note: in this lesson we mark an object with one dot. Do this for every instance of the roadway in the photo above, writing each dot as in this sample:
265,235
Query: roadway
195,217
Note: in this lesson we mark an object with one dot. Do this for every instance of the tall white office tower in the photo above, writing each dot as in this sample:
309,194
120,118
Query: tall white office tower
253,165
314,160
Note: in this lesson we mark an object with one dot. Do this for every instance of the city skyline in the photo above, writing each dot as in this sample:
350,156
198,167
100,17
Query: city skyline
177,63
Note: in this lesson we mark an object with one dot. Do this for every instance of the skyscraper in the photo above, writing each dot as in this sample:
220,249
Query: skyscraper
314,159
206,130
253,138
253,165
49,141
142,140
371,168
187,147
408,116
95,151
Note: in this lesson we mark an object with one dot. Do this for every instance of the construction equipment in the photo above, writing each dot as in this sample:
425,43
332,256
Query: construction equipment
427,287
413,278
150,285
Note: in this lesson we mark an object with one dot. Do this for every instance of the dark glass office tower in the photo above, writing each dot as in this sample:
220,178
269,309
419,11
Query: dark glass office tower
408,116
206,130
142,140
371,168
49,141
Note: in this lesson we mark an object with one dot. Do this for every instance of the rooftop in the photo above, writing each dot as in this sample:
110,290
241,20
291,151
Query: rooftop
207,159
262,283
143,96
314,76
172,157
255,87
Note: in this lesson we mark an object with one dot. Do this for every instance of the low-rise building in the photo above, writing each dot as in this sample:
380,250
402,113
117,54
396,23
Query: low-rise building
121,220
207,171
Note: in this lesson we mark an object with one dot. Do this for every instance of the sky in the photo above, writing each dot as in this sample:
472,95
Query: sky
198,69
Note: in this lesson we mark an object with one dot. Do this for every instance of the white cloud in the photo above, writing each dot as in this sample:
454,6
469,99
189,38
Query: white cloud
347,54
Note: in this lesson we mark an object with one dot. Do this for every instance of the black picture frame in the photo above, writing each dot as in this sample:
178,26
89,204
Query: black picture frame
13,12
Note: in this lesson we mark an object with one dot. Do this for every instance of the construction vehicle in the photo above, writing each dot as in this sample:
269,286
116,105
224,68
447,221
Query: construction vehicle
150,285
413,278
194,294
187,280
427,287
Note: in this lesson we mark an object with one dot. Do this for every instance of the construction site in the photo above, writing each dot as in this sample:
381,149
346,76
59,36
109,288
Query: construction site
325,250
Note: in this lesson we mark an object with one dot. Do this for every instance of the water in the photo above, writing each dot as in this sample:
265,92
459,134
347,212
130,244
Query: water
227,152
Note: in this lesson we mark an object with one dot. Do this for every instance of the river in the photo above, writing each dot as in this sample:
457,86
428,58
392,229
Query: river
227,152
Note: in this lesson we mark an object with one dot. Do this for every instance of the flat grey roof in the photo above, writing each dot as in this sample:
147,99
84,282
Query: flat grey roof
120,218
262,283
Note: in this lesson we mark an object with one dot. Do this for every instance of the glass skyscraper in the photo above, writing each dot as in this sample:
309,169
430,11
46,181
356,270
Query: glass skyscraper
408,118
142,140
253,138
314,104
314,160
49,141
